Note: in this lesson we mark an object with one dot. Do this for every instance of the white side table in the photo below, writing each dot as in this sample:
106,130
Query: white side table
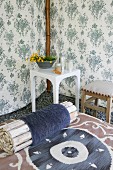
55,80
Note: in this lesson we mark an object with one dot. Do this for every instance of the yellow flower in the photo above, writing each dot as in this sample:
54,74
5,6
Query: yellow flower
27,59
35,57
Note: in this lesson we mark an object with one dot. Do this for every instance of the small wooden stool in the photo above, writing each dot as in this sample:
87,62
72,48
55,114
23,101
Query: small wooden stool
98,89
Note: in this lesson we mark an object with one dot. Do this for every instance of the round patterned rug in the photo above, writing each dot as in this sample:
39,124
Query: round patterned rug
69,150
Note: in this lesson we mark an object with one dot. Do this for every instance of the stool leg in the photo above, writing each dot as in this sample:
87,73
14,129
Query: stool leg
83,100
108,109
96,103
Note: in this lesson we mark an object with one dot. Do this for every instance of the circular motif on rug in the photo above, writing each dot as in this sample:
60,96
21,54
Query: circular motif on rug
71,149
56,152
70,152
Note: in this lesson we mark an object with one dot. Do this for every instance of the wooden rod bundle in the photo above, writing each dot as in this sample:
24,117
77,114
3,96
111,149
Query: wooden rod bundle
14,136
71,109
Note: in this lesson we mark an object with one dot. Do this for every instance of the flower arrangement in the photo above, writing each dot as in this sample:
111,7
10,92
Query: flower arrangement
42,61
35,57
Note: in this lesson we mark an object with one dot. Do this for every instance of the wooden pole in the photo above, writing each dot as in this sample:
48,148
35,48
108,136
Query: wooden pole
47,27
47,9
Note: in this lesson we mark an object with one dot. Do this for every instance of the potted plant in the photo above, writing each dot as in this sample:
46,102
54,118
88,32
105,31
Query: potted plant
43,62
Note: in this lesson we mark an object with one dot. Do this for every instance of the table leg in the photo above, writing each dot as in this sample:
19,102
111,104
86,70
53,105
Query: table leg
48,85
33,93
77,90
55,93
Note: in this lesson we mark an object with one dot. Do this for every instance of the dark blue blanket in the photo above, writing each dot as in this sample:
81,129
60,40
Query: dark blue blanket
46,122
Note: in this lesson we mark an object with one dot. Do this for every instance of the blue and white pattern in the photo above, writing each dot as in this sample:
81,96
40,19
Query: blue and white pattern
71,149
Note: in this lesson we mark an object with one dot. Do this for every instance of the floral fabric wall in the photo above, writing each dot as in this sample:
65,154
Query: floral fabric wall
81,30
22,32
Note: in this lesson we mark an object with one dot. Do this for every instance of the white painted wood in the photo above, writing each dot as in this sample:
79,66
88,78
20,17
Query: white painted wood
24,145
55,80
19,131
71,108
22,138
14,124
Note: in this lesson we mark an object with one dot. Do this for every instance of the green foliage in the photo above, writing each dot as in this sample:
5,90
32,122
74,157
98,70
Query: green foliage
50,58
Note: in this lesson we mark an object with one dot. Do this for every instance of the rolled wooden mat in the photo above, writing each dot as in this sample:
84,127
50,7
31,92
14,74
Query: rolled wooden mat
69,106
6,142
15,134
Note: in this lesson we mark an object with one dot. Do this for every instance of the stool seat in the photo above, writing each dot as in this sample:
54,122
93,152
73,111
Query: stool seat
101,87
96,90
